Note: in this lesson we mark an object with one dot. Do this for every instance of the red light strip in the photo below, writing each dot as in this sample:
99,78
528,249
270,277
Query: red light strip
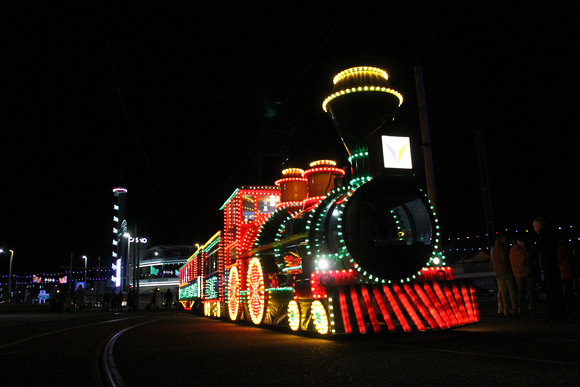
427,296
357,311
323,169
451,312
287,179
467,303
462,317
460,303
370,309
309,201
383,308
457,312
474,303
424,312
409,308
396,309
344,311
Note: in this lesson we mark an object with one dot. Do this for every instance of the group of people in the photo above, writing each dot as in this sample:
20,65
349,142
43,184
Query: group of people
157,299
113,301
522,269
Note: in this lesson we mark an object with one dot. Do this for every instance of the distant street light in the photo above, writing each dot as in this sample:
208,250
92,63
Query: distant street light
9,275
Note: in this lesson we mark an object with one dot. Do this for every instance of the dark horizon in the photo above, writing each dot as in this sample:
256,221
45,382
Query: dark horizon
176,103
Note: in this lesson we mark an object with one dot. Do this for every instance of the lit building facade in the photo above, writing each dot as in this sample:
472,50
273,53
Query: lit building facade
159,269
120,248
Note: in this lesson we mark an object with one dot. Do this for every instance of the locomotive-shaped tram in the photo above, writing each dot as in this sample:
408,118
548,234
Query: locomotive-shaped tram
335,250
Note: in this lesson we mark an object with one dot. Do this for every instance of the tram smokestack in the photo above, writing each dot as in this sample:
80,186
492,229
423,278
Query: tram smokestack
361,101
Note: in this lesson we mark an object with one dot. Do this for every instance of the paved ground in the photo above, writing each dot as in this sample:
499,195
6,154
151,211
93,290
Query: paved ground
175,348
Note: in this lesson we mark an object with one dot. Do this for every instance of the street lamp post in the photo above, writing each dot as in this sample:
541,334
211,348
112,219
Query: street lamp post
10,276
126,264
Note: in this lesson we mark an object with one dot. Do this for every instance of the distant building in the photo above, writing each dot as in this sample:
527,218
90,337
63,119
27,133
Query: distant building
120,248
159,269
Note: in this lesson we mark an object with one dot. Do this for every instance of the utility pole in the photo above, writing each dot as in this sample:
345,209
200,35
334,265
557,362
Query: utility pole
136,272
70,274
426,138
485,187
10,298
98,278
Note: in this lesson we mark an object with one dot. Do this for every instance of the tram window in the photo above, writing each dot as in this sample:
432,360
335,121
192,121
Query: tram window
248,208
267,203
212,262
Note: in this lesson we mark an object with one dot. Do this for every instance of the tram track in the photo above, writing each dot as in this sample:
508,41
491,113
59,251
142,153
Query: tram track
59,331
106,372
81,343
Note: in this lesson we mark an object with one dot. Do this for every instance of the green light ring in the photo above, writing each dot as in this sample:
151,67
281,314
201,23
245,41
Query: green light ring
309,227
263,225
357,182
319,221
346,255
357,155
342,255
280,231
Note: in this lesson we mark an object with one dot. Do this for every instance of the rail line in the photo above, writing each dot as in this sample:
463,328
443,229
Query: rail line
106,371
61,331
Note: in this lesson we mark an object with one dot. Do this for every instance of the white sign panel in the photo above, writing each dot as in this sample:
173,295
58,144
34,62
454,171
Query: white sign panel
117,277
397,152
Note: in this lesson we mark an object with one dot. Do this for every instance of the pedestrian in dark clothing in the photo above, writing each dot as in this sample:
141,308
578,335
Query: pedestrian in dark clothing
548,254
504,275
119,298
522,268
113,297
567,273
106,302
168,299
131,300
80,296
576,261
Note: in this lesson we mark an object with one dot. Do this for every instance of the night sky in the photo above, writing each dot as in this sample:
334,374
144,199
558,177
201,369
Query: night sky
178,102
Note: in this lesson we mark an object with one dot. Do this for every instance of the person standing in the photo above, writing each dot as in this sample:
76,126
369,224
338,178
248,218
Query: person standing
520,261
168,299
504,275
548,255
576,261
156,299
80,296
119,298
567,274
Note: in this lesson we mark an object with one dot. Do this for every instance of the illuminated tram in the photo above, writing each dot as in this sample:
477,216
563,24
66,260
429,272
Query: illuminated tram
335,250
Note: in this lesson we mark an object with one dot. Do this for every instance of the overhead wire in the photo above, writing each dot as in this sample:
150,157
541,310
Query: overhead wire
132,126
306,69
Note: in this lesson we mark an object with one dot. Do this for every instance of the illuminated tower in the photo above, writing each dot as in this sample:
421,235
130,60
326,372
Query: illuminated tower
119,246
